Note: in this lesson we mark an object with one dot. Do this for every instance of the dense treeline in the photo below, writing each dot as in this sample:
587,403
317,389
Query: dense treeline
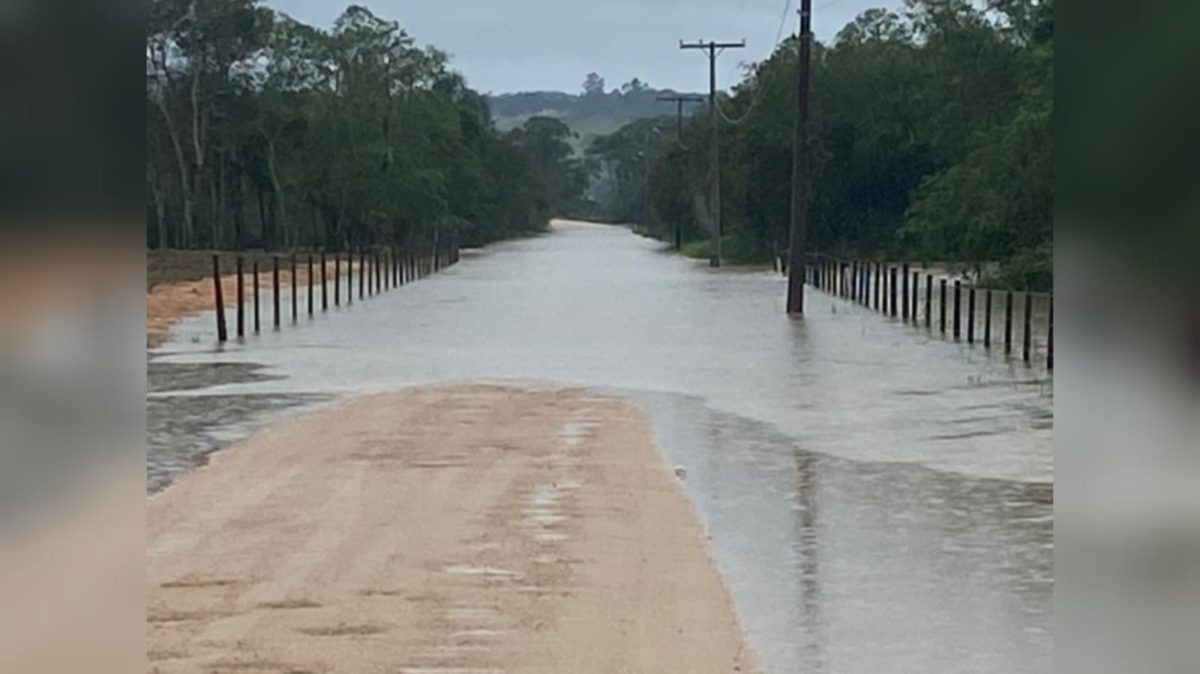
266,132
931,139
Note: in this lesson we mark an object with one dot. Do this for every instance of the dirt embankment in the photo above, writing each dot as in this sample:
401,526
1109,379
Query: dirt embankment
453,530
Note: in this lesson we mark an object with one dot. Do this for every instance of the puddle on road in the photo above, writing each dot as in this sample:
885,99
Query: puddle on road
182,430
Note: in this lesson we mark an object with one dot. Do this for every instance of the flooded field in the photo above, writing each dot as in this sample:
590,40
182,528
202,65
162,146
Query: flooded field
878,497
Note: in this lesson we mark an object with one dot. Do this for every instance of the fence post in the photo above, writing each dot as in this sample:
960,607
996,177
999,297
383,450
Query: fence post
241,299
275,286
928,300
987,319
362,272
916,292
957,308
324,288
1008,306
942,308
892,289
222,334
349,276
1026,337
337,281
971,315
1050,334
295,295
257,293
854,280
878,276
310,285
904,291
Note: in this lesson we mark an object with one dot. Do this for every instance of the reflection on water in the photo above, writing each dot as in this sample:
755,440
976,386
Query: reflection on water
847,566
877,496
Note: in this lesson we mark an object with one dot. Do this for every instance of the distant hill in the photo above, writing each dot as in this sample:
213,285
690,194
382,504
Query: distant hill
595,112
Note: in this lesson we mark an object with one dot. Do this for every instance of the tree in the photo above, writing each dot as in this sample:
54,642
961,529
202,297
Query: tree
348,137
593,85
930,138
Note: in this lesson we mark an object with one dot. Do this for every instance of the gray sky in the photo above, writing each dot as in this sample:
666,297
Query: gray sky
524,45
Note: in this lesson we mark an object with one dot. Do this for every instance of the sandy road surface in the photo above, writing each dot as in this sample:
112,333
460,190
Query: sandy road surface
443,530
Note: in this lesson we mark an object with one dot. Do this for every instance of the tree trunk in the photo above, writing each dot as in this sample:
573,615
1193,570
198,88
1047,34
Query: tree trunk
214,214
184,238
197,141
159,209
239,210
280,208
262,217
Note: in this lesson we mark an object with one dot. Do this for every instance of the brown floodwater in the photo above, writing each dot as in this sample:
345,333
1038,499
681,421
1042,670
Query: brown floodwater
878,497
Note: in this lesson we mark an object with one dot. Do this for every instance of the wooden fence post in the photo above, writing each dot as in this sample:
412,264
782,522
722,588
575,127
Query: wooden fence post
310,285
957,308
971,315
987,319
878,281
275,286
904,291
257,293
324,287
295,295
241,299
916,294
928,300
1050,334
362,273
1026,337
892,289
1008,307
942,308
222,333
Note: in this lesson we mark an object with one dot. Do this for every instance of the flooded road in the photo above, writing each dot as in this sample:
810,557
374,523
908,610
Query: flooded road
878,497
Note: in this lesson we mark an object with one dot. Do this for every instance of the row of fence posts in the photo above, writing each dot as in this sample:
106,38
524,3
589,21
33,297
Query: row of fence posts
886,287
379,269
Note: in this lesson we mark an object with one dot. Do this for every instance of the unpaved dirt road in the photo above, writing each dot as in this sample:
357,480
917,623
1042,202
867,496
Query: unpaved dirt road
483,527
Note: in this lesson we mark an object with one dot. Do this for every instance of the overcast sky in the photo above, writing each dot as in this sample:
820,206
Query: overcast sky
523,45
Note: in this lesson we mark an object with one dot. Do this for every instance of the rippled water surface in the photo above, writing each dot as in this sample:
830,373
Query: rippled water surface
878,497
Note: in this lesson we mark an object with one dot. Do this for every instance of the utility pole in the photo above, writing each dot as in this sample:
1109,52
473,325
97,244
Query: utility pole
715,197
679,100
798,226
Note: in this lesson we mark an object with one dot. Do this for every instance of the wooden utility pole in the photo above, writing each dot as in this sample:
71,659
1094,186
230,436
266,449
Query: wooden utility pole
679,100
798,227
714,208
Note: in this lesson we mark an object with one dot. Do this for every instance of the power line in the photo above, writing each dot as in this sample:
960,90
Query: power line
758,93
787,4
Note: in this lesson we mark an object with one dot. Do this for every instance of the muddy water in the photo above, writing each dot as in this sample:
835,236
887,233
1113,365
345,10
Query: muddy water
878,497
